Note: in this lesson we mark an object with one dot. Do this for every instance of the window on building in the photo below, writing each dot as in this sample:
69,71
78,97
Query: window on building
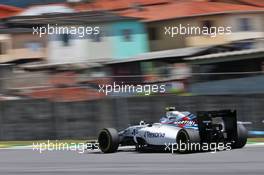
33,46
65,39
3,50
153,33
96,37
127,34
209,24
244,24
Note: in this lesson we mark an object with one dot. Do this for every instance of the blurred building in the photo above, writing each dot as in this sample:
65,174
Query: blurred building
246,22
18,45
132,42
227,69
245,18
119,37
5,37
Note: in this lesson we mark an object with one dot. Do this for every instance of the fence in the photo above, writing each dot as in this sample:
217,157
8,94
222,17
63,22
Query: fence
40,119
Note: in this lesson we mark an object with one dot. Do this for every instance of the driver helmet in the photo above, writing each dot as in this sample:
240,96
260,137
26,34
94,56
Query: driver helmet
174,115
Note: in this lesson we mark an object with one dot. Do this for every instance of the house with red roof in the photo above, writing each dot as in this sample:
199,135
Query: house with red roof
244,18
5,37
17,42
6,10
244,22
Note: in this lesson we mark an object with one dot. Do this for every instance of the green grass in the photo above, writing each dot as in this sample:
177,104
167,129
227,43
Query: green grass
254,140
6,144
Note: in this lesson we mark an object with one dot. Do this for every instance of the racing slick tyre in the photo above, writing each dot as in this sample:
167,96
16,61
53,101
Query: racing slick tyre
242,135
108,140
188,140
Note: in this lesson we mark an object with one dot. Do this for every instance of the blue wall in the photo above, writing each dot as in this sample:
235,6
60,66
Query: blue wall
113,40
138,44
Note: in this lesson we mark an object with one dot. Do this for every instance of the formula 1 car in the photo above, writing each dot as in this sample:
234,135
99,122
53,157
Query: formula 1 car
177,128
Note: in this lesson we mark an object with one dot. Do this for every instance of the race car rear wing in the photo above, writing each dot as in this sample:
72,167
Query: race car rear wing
211,123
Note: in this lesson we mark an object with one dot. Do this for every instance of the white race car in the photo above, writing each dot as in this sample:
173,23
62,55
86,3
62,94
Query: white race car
178,129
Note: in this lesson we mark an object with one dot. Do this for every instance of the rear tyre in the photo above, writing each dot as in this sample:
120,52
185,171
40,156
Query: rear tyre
188,140
242,135
108,140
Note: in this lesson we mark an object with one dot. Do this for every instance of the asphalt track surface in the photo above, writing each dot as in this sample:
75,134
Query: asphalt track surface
249,160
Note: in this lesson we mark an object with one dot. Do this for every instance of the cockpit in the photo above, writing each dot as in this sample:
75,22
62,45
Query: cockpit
173,116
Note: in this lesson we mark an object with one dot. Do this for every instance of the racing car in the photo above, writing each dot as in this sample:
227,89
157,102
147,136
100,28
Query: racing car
178,127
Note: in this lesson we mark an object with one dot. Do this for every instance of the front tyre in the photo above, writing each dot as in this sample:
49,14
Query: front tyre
108,140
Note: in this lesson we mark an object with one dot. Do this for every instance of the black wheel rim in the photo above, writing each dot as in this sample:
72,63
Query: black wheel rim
103,140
